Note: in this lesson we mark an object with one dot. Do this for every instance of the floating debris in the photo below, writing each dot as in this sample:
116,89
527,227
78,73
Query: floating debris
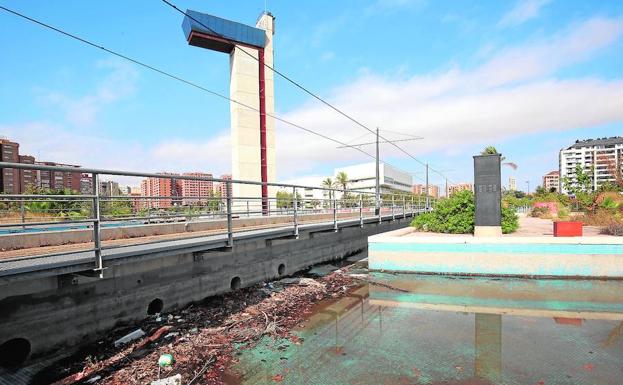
138,333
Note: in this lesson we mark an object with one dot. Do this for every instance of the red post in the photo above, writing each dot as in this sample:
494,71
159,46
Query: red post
263,166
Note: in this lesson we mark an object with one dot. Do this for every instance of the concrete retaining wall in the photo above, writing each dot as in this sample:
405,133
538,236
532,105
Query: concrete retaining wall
65,312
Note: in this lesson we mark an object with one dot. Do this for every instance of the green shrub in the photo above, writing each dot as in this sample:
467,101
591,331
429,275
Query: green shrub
510,220
455,215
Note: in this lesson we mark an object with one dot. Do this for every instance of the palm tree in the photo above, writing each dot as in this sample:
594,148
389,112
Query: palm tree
491,150
328,183
341,179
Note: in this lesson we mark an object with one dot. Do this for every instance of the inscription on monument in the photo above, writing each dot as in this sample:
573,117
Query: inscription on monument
487,188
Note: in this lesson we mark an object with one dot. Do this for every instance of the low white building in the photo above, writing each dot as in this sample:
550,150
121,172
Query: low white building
363,177
598,157
308,194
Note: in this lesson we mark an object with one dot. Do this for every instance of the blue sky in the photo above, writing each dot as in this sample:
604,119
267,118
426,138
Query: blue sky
529,77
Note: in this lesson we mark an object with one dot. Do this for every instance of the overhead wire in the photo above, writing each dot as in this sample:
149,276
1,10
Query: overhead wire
309,92
174,77
177,78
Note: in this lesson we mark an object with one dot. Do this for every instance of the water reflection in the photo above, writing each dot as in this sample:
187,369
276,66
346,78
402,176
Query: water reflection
453,331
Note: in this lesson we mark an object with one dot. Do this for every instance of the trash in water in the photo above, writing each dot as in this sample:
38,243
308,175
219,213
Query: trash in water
174,380
138,333
166,360
93,380
322,270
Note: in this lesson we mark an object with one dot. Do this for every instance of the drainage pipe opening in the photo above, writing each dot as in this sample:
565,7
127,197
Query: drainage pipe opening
236,283
155,307
14,352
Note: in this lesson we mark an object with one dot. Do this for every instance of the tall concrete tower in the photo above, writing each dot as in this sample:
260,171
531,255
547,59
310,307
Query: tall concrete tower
250,51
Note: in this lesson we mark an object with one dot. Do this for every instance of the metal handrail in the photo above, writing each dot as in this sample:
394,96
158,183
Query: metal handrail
101,208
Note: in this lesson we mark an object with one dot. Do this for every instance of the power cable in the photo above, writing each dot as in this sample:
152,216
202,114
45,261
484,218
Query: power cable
174,77
304,89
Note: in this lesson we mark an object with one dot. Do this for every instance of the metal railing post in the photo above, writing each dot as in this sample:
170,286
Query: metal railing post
404,213
412,201
22,210
230,230
295,203
334,213
393,214
419,202
248,212
97,234
380,206
360,210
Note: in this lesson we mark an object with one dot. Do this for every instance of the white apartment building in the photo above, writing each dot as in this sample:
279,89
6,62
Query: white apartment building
597,157
363,177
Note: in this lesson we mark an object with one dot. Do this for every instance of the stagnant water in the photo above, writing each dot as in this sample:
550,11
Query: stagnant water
441,330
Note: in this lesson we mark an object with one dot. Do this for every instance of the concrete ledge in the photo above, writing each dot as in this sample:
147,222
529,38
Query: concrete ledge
585,257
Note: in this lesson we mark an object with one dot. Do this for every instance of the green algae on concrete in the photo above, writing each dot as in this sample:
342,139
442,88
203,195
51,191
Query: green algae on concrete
375,336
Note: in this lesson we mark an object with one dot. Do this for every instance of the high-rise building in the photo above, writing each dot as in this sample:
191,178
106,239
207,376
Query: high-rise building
551,180
195,191
27,178
601,158
109,188
86,184
512,184
222,187
420,189
58,180
159,192
9,177
460,187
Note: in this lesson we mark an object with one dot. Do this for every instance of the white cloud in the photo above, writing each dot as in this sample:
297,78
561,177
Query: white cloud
509,95
523,11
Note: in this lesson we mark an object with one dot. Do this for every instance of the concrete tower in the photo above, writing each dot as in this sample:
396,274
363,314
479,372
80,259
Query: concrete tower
251,83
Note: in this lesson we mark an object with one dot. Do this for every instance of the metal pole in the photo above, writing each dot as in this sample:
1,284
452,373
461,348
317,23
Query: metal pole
22,210
230,230
295,203
378,176
404,213
412,202
334,213
427,196
248,212
360,209
97,240
393,215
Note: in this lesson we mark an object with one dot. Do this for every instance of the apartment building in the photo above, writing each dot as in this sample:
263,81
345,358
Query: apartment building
158,192
420,189
460,187
512,184
27,178
57,180
222,188
601,158
551,181
195,191
9,177
109,188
